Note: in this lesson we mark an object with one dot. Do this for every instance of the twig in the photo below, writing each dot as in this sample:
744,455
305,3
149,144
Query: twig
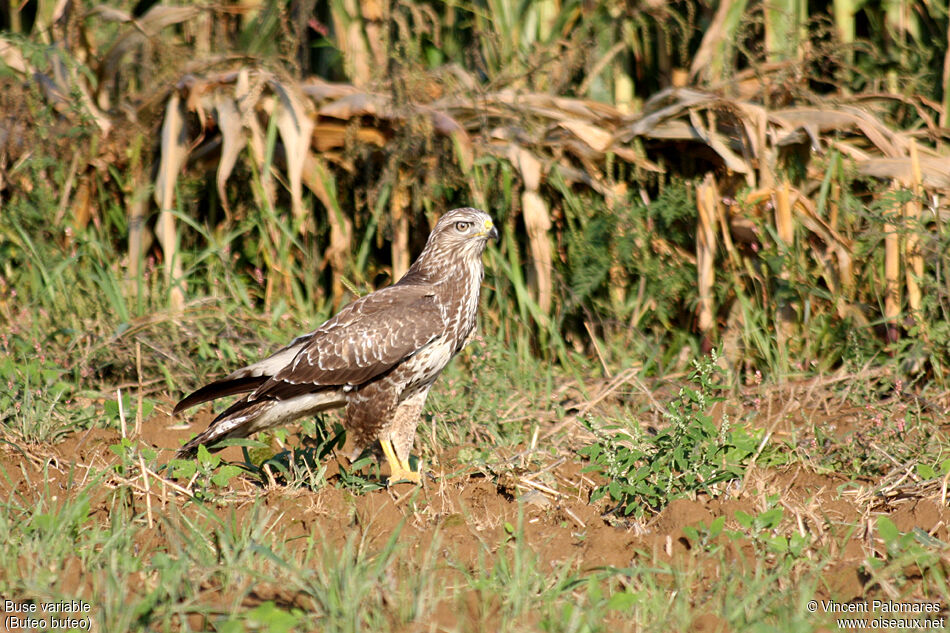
574,517
138,372
148,492
538,486
908,467
600,355
623,377
118,397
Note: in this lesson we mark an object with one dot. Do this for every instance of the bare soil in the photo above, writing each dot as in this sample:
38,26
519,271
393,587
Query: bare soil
468,510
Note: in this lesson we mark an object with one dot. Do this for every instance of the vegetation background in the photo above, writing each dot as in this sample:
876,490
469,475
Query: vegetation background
184,187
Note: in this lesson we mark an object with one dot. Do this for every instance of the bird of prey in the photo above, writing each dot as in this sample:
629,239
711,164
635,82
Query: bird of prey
378,356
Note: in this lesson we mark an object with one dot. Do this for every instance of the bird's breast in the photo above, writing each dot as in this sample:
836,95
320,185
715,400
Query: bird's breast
428,363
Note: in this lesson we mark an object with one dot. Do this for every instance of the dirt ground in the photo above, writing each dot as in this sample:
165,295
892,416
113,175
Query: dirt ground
548,495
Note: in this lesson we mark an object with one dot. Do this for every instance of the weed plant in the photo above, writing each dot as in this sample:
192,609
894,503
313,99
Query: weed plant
689,455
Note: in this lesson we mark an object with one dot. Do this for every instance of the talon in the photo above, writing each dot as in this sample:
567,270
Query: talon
397,475
399,471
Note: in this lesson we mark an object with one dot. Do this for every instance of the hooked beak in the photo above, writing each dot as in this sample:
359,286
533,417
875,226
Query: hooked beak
490,230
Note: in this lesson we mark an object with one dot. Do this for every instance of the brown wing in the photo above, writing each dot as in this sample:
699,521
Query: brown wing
367,338
220,389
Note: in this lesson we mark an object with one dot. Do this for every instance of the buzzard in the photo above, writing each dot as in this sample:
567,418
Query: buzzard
378,356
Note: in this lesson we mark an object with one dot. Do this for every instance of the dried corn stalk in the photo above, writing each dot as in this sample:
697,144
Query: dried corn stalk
892,268
537,223
914,269
174,153
706,201
398,209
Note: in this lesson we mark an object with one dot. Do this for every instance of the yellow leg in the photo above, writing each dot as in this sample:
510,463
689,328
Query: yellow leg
398,471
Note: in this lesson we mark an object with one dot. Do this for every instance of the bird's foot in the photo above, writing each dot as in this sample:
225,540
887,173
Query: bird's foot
400,470
400,473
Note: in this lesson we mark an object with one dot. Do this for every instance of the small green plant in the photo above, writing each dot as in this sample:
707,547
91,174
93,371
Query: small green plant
204,472
353,480
908,554
689,455
928,471
704,536
129,455
264,617
763,530
306,466
300,467
36,399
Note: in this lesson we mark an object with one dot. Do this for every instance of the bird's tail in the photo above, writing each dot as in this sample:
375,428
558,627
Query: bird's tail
220,389
254,413
238,420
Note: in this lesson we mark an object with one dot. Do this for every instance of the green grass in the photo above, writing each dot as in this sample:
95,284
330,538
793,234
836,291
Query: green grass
279,542
212,561
224,562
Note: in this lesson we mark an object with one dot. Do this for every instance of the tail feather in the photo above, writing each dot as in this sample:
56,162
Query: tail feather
235,421
246,417
220,389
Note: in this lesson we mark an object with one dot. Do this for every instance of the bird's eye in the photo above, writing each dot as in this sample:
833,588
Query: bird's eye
461,227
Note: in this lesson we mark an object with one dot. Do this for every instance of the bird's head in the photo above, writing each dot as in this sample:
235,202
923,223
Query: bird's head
463,230
460,233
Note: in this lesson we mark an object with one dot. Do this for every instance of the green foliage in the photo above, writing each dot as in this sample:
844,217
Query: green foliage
264,617
689,455
763,532
302,466
204,473
908,554
131,457
927,471
704,536
38,402
910,434
618,258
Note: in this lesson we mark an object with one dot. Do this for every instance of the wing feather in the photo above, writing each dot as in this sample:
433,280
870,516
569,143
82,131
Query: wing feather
220,389
246,379
364,340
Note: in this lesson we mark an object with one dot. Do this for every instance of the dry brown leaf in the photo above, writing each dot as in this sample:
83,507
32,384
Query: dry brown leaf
655,113
809,217
672,130
707,197
109,14
233,140
296,128
632,156
11,56
174,152
328,136
935,172
553,107
319,90
538,224
399,202
248,96
848,149
594,135
155,19
527,164
717,143
840,119
358,104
